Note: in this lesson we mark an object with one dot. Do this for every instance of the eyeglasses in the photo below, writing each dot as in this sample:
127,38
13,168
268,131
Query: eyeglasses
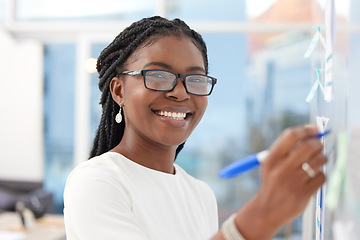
162,80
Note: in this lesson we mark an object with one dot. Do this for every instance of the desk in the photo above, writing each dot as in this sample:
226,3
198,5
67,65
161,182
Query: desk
49,227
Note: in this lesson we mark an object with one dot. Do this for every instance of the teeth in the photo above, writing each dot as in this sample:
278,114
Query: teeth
174,115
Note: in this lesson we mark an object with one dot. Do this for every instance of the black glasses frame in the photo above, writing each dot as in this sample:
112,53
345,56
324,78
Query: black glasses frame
177,75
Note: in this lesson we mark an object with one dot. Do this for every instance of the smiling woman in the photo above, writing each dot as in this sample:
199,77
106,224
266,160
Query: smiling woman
155,88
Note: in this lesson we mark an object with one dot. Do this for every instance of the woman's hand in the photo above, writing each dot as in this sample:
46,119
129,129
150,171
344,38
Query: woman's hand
286,187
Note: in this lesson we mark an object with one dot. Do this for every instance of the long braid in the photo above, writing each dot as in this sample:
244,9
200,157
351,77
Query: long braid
111,62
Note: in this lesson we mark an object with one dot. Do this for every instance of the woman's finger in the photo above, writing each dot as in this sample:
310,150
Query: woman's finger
312,167
303,152
287,141
315,183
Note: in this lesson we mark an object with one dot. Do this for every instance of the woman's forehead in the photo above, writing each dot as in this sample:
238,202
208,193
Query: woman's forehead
170,50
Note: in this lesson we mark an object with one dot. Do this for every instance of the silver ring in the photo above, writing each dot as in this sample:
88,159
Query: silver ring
309,170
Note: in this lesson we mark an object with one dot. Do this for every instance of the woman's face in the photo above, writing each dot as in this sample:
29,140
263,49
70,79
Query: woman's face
148,113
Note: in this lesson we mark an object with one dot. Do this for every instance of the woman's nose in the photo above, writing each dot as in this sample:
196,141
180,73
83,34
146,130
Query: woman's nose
179,92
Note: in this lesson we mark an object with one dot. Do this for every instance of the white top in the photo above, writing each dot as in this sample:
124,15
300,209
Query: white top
111,197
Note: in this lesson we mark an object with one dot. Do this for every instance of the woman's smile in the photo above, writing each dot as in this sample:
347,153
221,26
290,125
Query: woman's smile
171,115
175,118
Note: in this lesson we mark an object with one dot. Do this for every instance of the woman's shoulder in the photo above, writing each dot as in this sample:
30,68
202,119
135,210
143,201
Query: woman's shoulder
95,181
100,167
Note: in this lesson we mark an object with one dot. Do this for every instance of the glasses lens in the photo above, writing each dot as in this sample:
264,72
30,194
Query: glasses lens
199,84
160,80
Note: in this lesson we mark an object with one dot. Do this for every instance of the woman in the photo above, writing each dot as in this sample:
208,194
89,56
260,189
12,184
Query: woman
154,93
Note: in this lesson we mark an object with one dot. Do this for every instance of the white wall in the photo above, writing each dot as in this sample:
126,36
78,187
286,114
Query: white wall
21,109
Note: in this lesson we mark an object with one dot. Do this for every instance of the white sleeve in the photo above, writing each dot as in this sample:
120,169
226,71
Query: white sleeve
96,206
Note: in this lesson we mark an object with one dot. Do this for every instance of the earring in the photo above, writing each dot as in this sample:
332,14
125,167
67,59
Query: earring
118,117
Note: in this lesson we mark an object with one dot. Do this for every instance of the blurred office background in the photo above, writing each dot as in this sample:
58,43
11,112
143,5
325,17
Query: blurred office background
49,95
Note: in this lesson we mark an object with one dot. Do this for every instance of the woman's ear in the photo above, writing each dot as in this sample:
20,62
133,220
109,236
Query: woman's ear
117,90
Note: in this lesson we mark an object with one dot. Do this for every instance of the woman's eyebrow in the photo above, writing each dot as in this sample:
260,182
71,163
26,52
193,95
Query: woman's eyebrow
159,64
193,69
167,66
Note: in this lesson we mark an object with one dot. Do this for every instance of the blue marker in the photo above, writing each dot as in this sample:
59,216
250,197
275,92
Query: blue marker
250,162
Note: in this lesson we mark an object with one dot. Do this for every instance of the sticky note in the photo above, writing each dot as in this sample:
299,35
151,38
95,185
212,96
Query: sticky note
317,36
316,85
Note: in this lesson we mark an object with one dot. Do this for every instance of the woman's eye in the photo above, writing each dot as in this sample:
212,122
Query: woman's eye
157,75
196,80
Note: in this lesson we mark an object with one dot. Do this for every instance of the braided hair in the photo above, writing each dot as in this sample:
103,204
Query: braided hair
111,63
